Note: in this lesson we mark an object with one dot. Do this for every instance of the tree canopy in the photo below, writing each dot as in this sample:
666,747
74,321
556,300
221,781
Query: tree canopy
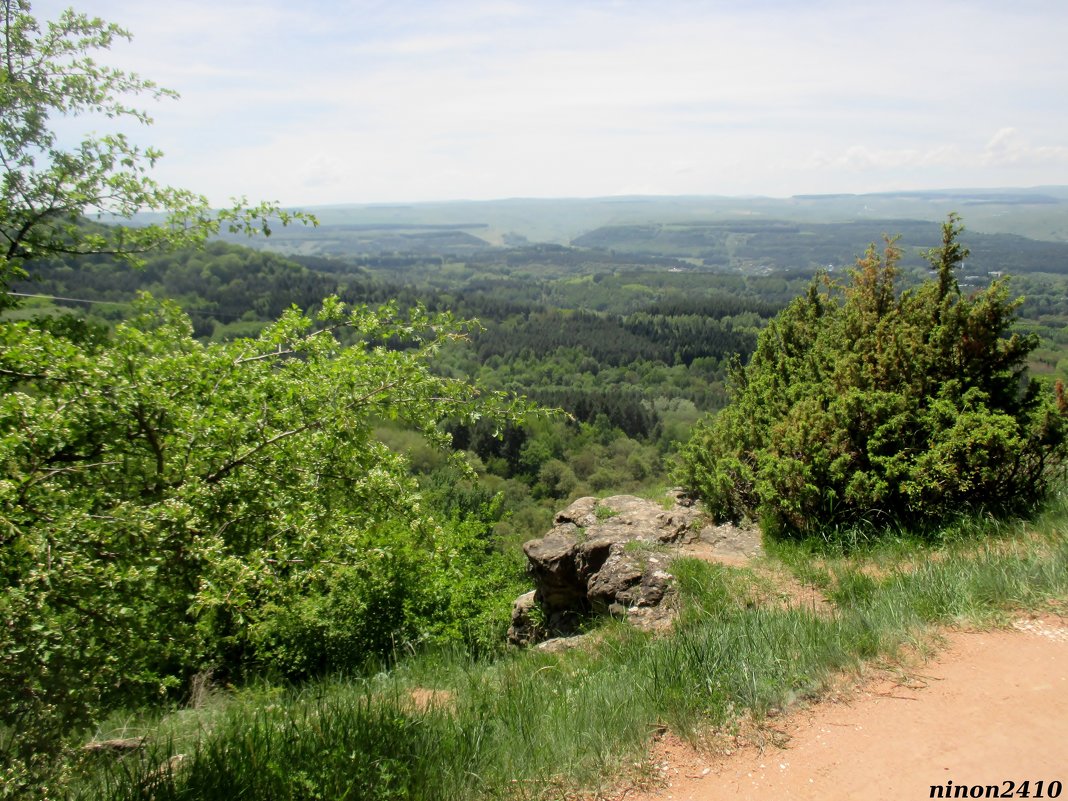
169,506
50,187
863,405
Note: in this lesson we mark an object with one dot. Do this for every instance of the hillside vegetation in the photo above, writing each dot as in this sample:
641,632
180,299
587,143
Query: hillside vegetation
288,513
538,725
865,405
260,514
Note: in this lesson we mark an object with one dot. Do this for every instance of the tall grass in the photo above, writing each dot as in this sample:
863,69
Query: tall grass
530,724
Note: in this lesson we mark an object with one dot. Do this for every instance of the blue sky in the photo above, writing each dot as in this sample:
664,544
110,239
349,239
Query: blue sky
319,102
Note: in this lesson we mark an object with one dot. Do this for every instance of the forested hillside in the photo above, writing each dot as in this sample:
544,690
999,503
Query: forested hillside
260,581
643,340
270,474
1037,213
764,245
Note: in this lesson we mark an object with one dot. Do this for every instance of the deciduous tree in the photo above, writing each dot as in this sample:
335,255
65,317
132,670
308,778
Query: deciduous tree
167,505
51,187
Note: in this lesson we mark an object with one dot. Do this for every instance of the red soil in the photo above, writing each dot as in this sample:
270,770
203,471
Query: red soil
992,707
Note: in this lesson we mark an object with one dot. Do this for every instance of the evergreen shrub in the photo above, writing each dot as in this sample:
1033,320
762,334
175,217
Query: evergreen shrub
868,406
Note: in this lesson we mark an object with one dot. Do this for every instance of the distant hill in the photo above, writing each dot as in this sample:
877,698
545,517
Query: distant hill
467,226
777,245
750,235
349,240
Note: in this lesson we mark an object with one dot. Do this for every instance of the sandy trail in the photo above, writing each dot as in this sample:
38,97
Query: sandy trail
992,707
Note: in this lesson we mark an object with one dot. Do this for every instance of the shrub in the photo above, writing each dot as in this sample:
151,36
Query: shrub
170,506
865,405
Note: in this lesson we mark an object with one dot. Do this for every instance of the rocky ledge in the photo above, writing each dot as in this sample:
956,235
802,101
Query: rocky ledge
604,556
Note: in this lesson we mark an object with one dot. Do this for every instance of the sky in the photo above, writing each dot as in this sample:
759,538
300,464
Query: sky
310,102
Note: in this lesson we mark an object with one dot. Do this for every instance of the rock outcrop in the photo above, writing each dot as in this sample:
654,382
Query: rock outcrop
603,556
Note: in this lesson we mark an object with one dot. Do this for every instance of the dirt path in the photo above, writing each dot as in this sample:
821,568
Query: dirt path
991,708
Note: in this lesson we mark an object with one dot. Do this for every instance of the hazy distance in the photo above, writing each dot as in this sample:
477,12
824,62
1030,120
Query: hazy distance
335,102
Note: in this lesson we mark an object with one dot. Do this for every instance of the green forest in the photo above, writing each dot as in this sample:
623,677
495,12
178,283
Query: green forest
253,492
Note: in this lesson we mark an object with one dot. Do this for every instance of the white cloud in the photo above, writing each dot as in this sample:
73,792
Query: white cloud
1005,158
859,158
364,101
1008,148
